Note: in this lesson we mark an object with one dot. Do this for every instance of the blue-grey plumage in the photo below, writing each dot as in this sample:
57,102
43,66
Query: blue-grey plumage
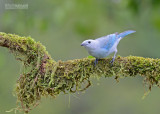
104,46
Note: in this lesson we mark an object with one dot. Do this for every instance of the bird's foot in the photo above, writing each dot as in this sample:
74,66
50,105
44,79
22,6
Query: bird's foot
112,61
95,62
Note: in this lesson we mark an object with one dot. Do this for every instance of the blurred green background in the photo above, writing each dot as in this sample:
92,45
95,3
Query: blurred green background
61,25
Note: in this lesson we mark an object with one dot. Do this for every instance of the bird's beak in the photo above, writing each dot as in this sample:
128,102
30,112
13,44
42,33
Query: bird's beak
82,44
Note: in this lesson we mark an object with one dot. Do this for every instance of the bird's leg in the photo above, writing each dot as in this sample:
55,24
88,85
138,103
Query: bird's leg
95,62
113,57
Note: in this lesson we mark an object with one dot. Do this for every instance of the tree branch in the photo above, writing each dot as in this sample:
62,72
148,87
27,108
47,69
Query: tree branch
42,76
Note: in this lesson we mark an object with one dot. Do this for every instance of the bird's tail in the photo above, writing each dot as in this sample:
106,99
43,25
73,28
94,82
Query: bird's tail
125,33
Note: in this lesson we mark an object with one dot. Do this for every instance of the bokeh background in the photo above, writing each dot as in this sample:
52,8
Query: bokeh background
61,25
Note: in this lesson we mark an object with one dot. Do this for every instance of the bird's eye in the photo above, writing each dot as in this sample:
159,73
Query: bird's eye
89,42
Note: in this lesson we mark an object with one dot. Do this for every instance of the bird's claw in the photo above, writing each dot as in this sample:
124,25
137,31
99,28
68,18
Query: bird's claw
95,62
112,61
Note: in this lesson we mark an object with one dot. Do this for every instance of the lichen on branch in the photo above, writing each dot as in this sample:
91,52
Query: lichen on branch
42,76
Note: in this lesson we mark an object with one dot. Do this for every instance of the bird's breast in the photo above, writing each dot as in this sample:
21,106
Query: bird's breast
99,53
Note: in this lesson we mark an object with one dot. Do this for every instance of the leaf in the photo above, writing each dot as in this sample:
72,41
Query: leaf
90,57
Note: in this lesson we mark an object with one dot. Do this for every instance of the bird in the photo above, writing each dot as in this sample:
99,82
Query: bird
105,45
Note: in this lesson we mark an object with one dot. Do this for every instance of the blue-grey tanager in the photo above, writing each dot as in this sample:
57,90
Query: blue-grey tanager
103,46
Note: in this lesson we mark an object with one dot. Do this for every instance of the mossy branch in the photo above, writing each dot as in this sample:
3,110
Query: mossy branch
42,76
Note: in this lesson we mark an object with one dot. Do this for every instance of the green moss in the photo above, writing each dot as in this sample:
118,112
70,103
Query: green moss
42,76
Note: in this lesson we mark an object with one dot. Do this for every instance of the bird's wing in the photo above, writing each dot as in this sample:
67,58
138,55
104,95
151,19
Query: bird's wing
107,41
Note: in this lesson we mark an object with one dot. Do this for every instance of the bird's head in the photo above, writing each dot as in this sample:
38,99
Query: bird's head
89,44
